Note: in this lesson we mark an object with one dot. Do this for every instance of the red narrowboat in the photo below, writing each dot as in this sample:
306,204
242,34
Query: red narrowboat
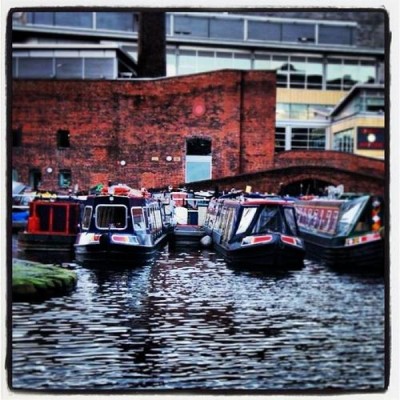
52,225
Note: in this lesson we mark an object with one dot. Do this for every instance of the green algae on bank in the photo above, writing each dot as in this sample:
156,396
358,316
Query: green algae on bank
33,281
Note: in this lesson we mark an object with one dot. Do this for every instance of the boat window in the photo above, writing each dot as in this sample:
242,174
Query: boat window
268,220
350,215
59,218
290,220
247,217
229,222
87,215
138,219
111,217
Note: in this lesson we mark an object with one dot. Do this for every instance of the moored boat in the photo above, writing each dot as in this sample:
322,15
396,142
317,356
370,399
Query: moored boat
121,225
52,224
344,232
255,231
190,210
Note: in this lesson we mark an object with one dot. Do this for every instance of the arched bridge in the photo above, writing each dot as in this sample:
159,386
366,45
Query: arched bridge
308,172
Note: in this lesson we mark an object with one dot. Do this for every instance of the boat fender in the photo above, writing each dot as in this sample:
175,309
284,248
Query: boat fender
33,224
206,241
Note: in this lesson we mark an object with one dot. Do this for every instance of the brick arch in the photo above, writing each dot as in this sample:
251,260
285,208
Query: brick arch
355,173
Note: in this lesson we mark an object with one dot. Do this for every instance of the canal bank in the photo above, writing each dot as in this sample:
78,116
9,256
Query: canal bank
187,321
34,281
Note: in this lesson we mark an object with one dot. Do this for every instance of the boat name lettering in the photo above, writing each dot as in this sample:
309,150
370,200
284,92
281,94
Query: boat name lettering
323,219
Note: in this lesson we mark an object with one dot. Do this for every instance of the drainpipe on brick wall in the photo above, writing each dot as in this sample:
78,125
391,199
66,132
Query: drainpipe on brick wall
241,102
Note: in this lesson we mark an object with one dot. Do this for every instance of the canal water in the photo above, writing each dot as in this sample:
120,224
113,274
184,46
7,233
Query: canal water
188,321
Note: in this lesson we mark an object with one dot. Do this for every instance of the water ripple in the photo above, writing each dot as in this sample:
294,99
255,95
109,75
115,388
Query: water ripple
189,321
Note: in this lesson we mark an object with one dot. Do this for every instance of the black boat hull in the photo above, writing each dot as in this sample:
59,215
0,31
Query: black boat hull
45,242
370,255
268,256
118,253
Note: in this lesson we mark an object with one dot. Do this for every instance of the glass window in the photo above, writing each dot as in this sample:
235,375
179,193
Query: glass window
299,138
299,111
116,21
138,219
87,215
224,60
269,220
246,218
290,220
297,72
111,216
227,29
350,73
334,74
198,168
282,111
17,137
42,18
59,218
75,19
99,68
314,70
241,61
308,138
187,62
344,141
64,178
62,139
335,35
281,64
280,139
69,68
205,61
317,138
259,30
349,215
262,61
188,25
35,67
171,62
366,72
298,32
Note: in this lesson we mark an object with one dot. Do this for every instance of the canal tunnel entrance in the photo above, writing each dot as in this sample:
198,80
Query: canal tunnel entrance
305,187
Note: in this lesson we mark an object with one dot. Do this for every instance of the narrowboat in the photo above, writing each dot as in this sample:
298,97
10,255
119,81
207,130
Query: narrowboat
255,230
52,224
121,225
20,215
345,232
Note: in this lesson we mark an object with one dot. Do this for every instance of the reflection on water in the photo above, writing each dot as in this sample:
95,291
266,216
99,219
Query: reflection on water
188,321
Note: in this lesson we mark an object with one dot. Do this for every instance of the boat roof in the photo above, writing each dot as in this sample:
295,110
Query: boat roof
258,201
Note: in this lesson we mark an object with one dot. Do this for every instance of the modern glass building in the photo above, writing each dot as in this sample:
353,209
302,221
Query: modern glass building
317,61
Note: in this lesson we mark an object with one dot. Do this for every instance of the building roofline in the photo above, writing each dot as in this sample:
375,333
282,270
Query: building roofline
239,15
176,40
352,93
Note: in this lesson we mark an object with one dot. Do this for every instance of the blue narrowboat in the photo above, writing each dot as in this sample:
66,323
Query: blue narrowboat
255,231
121,225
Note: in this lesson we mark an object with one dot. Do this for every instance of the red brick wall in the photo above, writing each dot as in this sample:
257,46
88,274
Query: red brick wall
142,122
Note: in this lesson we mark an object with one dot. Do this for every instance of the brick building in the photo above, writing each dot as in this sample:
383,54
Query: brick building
151,133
